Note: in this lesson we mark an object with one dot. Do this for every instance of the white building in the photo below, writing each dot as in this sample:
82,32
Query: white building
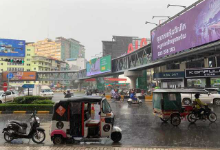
76,63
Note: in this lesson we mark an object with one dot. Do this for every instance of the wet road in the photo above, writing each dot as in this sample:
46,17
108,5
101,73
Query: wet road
141,128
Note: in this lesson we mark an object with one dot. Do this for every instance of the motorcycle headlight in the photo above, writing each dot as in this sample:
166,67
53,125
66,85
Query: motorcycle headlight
38,120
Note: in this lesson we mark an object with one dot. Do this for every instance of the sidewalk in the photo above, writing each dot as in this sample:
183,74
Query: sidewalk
37,147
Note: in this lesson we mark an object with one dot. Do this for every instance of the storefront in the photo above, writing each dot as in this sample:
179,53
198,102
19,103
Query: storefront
204,77
170,79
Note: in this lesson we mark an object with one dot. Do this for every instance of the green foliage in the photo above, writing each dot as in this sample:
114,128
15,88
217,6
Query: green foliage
28,99
26,107
42,102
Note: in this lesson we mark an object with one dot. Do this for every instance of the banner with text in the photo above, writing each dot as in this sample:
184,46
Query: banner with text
98,65
197,26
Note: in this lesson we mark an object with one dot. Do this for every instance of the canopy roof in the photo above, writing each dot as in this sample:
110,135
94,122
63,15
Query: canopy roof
82,99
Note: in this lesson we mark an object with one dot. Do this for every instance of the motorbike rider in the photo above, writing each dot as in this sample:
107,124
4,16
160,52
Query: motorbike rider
132,95
199,104
67,95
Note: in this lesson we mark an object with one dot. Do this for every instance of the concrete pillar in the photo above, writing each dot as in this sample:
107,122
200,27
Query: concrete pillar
208,82
133,75
79,84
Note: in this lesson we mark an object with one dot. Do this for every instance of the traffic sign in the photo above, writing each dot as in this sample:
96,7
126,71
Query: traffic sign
5,86
10,75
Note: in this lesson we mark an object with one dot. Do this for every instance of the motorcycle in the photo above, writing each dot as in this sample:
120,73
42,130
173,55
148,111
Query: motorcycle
17,129
207,113
138,101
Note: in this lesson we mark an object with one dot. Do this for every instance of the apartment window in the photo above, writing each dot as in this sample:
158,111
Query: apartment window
1,63
173,66
27,81
34,68
28,54
34,62
28,70
195,64
28,64
28,50
28,59
1,69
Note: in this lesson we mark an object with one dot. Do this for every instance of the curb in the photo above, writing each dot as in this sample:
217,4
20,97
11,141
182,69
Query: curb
24,112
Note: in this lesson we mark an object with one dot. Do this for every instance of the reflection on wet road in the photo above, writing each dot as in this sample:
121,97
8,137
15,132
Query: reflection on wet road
141,128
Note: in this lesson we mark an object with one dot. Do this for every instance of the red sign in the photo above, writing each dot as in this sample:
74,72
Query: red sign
60,110
115,79
5,86
130,46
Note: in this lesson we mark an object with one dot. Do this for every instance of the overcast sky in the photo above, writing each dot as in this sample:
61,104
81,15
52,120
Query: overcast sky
88,21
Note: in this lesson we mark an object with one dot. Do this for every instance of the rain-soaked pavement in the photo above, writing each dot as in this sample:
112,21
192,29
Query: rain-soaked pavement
141,128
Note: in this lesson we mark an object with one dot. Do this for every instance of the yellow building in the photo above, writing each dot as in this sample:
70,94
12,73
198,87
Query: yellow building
60,49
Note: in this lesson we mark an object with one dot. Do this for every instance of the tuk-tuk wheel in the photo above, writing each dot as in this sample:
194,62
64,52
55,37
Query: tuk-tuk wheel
164,119
116,136
175,120
57,140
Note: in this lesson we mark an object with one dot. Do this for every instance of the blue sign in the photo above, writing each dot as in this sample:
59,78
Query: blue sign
10,75
25,86
12,48
178,74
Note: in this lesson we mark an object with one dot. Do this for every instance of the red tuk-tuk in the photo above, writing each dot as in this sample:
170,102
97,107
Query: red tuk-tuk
72,120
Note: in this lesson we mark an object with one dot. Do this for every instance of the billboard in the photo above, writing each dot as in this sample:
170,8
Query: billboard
98,65
20,76
197,26
12,48
203,72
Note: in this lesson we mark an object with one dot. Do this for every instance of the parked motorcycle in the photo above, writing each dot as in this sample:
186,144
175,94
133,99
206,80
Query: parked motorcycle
204,115
17,129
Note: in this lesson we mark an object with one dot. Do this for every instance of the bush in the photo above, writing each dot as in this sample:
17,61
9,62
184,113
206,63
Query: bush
28,99
42,102
26,107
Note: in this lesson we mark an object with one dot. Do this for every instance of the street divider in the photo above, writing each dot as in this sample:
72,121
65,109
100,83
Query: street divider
25,112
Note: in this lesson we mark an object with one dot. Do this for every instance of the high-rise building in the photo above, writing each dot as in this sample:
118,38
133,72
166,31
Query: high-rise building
60,49
121,45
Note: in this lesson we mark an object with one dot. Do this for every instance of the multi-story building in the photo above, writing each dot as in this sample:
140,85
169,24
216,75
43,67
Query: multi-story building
121,45
60,49
76,64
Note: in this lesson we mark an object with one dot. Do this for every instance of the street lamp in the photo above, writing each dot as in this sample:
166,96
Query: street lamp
176,6
147,22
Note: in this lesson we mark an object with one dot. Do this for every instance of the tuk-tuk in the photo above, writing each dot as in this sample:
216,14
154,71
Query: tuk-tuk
72,120
167,104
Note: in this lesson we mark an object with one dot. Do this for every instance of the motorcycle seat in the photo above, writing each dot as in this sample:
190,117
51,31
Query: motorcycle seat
23,124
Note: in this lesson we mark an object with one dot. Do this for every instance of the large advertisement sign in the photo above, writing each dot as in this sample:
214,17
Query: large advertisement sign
20,76
12,48
203,72
197,26
98,65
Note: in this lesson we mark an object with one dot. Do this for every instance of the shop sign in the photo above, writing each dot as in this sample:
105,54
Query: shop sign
166,75
203,72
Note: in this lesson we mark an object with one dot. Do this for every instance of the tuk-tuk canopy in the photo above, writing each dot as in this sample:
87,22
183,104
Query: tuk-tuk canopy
85,99
180,91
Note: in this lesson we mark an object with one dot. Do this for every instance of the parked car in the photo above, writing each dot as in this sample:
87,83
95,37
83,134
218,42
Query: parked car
7,96
208,97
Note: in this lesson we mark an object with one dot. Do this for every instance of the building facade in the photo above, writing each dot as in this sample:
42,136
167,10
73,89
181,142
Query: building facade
77,64
121,45
60,49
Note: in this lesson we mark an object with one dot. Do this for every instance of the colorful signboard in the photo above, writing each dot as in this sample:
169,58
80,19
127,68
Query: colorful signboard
197,26
98,65
12,48
20,76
